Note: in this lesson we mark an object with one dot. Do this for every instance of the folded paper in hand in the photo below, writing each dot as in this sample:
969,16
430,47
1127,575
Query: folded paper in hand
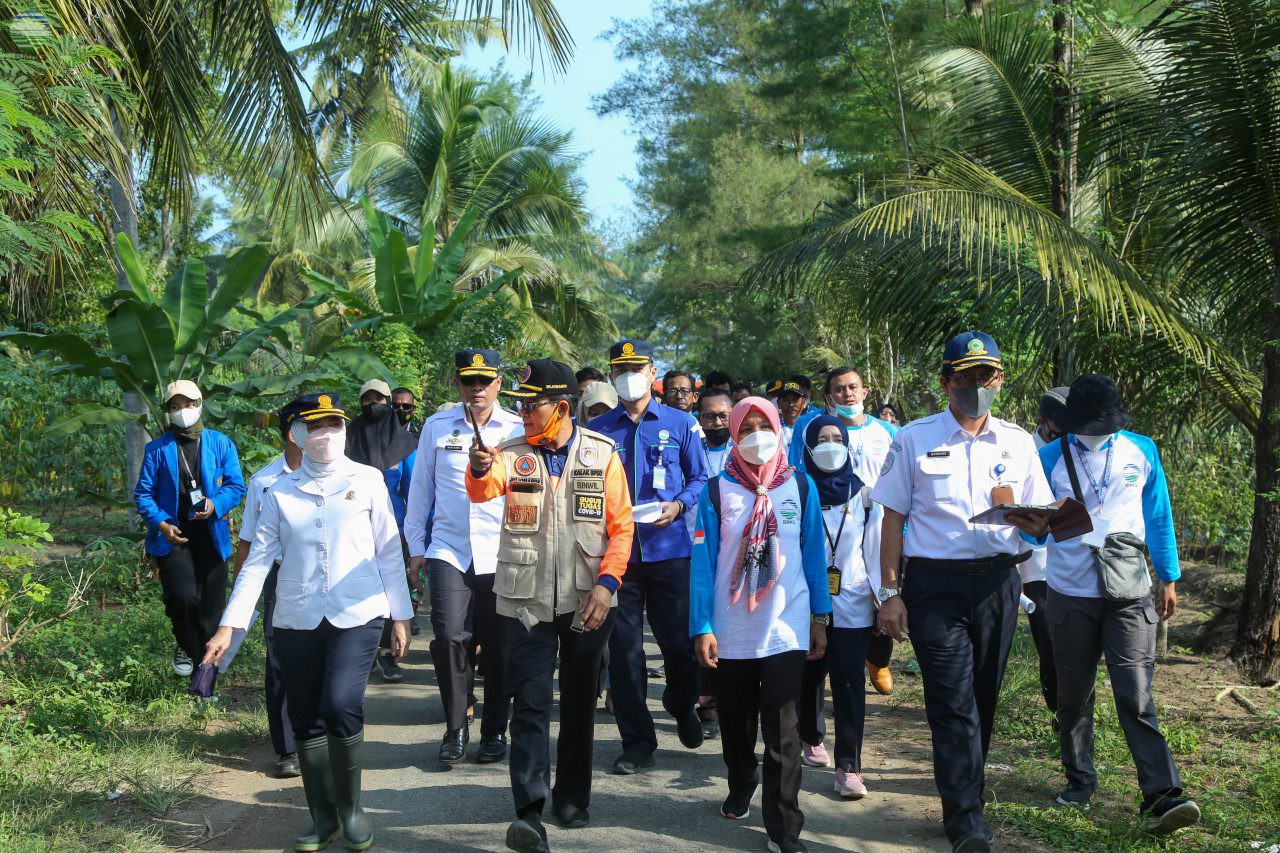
647,513
1067,517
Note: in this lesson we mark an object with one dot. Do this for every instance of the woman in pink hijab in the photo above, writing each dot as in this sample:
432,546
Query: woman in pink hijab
758,607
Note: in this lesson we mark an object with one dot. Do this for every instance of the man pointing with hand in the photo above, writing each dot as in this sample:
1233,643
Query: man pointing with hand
563,549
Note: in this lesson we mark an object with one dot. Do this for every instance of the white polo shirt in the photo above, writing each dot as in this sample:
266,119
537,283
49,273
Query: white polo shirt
462,533
868,447
940,476
857,553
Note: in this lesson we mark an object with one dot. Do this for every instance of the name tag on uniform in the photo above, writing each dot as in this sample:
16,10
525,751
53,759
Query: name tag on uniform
659,477
589,507
938,454
522,516
453,447
588,484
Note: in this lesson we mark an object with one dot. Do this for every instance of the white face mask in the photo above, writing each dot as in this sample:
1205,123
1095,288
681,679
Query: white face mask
184,418
324,446
758,447
830,456
632,385
1093,442
847,412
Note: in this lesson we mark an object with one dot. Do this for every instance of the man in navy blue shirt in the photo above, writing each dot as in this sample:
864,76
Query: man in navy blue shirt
661,450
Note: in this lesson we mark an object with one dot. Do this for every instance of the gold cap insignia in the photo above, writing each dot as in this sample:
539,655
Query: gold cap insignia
976,347
628,349
324,401
477,360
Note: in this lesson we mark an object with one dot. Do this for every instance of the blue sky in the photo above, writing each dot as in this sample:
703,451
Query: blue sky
566,98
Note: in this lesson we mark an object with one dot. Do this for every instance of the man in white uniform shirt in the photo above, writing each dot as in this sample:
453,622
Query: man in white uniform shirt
462,557
277,707
960,598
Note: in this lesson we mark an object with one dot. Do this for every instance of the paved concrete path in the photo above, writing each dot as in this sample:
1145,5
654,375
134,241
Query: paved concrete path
419,805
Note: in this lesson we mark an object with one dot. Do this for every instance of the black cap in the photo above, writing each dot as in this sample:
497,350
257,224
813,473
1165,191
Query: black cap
321,405
631,351
545,377
290,411
1093,407
477,362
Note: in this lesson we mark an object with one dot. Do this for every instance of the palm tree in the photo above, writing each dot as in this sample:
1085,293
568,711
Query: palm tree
469,144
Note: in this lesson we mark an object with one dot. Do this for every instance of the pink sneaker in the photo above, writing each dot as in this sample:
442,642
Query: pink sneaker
815,756
849,784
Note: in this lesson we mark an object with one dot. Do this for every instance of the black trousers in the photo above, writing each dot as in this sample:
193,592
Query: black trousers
326,670
1038,591
193,583
530,661
846,658
762,695
813,700
1083,630
661,588
961,628
273,684
813,693
463,612
880,650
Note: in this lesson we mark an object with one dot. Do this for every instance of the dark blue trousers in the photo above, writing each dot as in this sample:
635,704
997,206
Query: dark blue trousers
847,658
325,671
961,628
277,714
661,588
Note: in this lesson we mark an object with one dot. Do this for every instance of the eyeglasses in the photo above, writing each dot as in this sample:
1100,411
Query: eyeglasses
714,417
527,406
969,378
680,392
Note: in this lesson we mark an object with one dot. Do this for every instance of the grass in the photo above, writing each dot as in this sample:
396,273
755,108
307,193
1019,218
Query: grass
98,739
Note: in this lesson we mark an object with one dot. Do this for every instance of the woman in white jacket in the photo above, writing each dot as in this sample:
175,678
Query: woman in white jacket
341,576
851,530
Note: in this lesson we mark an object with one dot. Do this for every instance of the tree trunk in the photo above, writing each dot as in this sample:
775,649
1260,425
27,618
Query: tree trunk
124,220
1257,647
1064,134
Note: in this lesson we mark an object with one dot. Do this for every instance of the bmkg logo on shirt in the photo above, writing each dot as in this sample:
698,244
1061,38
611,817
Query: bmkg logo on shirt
789,511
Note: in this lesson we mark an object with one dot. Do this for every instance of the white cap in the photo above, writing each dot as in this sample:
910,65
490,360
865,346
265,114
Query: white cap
376,385
185,387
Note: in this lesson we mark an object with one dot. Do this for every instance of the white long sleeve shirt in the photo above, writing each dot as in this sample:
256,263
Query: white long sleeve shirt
339,552
462,533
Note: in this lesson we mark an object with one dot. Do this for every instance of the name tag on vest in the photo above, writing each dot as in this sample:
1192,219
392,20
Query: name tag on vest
588,484
522,516
588,506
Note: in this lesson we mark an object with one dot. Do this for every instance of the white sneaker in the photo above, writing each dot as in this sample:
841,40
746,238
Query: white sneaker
849,784
815,756
181,663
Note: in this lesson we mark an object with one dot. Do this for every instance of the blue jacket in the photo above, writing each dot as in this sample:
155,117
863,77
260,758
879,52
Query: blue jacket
398,479
156,495
706,556
642,448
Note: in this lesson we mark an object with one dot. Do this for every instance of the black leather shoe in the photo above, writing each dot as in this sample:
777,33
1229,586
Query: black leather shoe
287,766
975,842
414,628
629,763
689,727
710,729
492,749
453,748
570,816
527,835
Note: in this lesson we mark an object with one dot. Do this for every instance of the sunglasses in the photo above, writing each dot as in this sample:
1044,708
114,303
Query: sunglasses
527,406
471,381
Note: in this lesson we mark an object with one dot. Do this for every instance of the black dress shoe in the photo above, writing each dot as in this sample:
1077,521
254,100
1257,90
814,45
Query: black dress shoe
630,763
492,749
527,835
570,816
710,729
689,727
287,766
453,748
414,628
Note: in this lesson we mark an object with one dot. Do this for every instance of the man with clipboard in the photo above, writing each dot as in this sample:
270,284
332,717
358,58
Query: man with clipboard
959,600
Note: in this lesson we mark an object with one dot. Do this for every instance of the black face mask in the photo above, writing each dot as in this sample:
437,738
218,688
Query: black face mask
717,436
376,411
403,417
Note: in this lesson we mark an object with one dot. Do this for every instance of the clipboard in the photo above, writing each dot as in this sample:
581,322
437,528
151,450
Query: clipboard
1068,518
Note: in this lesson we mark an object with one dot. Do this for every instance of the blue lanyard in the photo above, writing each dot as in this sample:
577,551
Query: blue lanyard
1106,473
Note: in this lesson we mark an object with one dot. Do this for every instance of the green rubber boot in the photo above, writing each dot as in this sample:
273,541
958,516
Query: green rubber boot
348,757
317,783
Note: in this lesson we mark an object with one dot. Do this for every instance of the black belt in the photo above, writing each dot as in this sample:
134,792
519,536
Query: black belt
979,566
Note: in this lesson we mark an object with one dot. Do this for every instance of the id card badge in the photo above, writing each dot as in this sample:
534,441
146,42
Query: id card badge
833,580
197,497
659,477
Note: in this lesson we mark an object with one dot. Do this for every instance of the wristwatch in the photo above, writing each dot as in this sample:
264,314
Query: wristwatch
821,618
885,594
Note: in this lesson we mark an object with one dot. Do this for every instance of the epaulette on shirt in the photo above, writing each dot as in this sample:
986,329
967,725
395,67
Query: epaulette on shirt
919,422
